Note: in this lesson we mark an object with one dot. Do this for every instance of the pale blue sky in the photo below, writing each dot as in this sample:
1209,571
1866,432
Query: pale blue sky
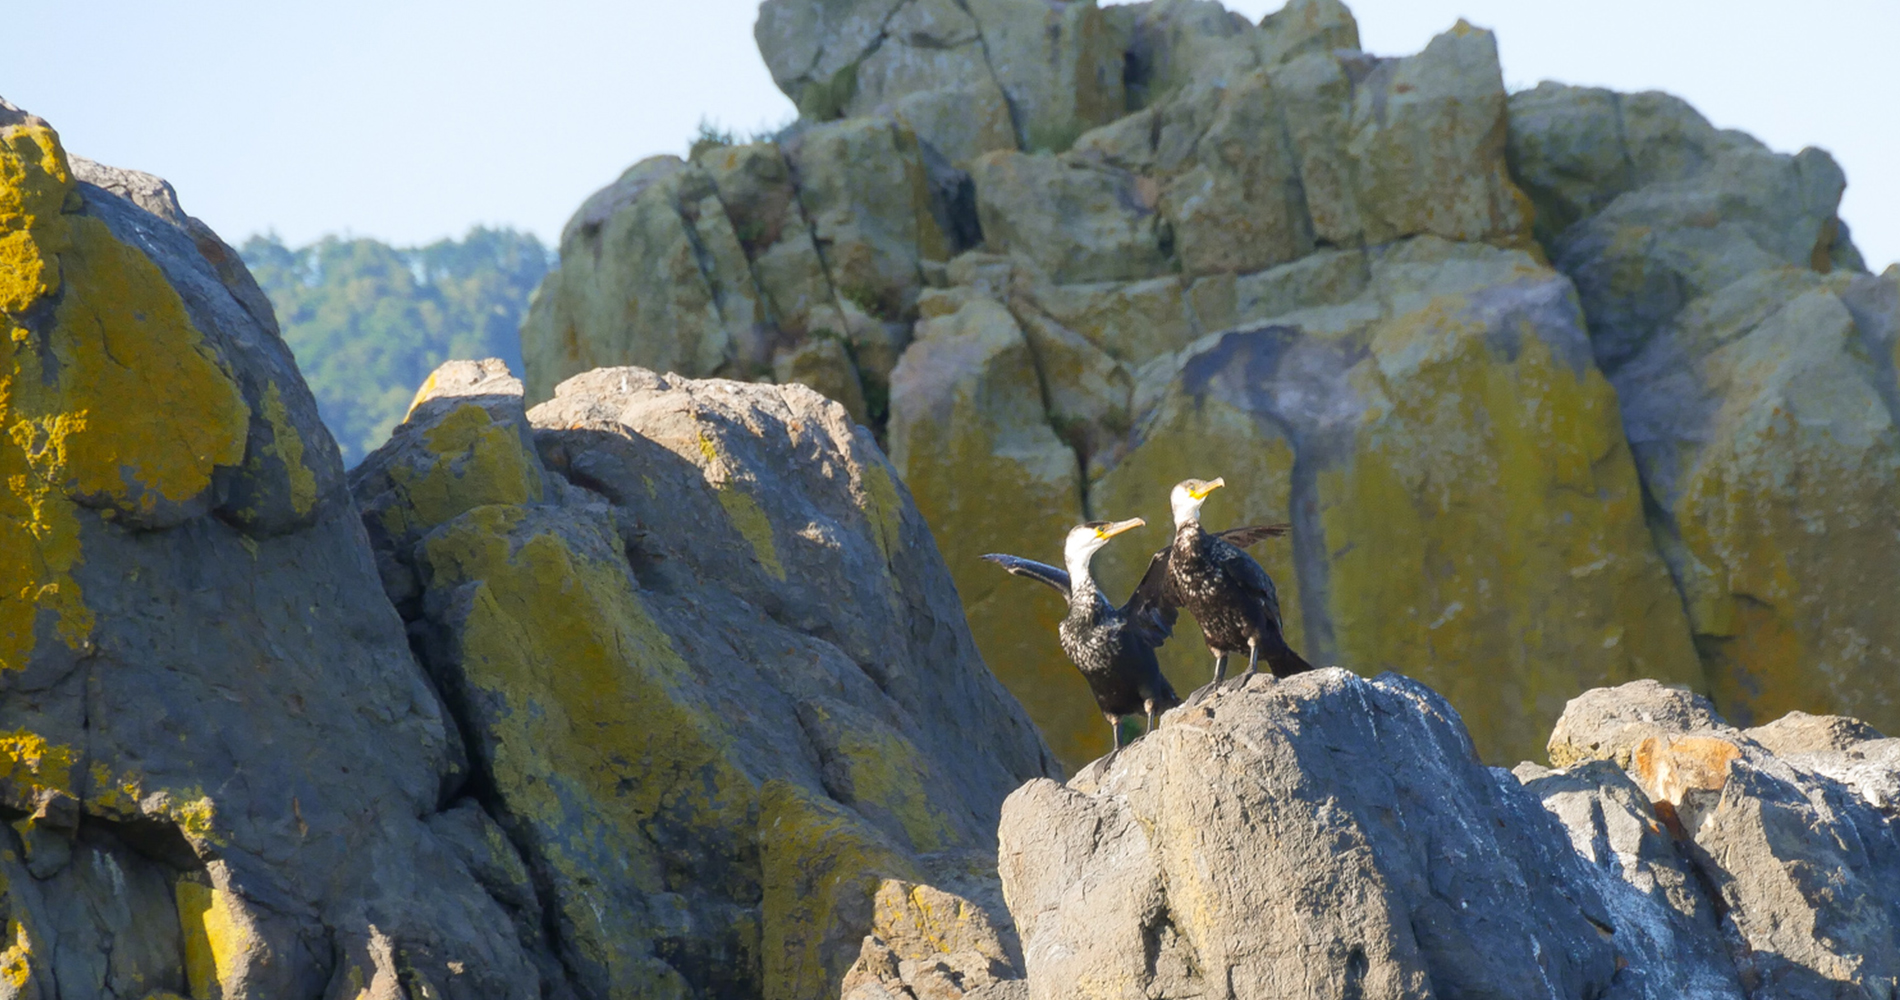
414,120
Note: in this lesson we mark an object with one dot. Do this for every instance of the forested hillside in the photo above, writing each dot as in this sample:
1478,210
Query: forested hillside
369,321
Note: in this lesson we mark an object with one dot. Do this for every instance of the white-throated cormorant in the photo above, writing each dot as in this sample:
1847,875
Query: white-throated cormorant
1114,648
1226,591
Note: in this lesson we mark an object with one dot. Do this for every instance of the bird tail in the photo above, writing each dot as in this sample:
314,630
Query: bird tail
1281,658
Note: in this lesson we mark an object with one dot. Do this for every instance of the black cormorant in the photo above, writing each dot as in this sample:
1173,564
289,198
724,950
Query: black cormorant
1114,648
1226,591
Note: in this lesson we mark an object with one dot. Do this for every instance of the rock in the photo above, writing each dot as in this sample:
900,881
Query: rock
713,675
1726,308
1080,222
1669,938
936,944
1814,916
825,365
1060,64
653,272
224,753
1353,810
1610,723
1772,573
1375,428
971,438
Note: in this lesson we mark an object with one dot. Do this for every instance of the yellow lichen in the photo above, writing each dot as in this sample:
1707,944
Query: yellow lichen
125,796
819,864
752,523
886,770
1487,532
287,448
31,764
884,509
747,517
119,401
477,462
16,962
217,938
591,739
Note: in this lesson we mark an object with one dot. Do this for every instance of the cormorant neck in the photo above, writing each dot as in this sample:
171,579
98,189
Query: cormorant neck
1081,581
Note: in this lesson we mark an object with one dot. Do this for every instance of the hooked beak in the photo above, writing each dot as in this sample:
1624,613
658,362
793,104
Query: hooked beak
1211,487
1110,531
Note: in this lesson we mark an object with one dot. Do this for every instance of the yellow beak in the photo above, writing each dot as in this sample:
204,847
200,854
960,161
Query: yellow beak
1211,487
1110,531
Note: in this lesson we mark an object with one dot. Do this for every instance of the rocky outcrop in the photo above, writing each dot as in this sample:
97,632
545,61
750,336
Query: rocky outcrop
1535,377
1328,835
645,696
713,679
223,773
1754,359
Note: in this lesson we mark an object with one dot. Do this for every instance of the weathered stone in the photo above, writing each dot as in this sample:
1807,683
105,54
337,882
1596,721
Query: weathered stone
1814,916
824,364
1668,936
1352,810
652,272
713,675
961,123
972,440
755,185
1415,116
1133,322
1059,62
1240,207
1610,723
865,189
1081,222
212,722
934,944
1401,430
813,47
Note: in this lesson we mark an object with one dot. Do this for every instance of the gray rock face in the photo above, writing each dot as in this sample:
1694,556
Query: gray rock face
1750,352
1327,835
1800,858
221,762
1322,836
711,672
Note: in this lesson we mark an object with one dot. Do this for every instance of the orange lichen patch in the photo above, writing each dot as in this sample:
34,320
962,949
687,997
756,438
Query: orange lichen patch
1668,767
118,401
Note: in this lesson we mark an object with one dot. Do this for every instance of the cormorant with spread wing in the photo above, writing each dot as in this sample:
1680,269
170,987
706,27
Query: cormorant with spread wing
1114,648
1226,591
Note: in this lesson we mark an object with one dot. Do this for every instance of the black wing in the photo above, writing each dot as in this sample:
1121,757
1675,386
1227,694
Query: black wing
1244,538
1152,609
1034,570
1243,572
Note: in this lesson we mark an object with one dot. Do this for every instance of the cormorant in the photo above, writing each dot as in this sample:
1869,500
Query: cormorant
1114,648
1225,590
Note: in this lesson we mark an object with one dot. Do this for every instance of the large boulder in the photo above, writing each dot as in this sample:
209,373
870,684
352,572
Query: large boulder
1319,836
1802,864
1754,361
709,666
224,772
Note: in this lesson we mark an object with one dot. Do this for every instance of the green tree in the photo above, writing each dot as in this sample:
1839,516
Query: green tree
368,321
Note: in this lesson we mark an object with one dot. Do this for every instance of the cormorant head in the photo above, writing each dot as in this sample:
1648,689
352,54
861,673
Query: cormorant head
1188,496
1086,539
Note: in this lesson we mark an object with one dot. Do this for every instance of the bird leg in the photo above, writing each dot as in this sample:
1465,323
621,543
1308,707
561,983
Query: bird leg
1149,704
1253,657
1114,728
1220,673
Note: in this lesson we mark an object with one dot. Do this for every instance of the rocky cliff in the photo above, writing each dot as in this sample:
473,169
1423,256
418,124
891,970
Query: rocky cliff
1558,389
1334,836
644,693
